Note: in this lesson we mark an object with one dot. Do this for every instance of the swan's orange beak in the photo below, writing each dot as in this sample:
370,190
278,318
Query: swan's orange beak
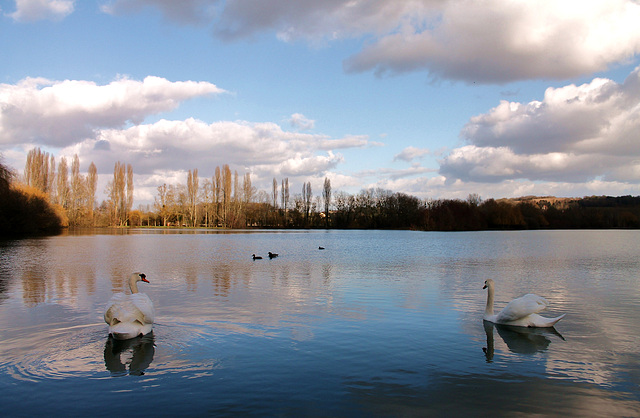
145,280
484,287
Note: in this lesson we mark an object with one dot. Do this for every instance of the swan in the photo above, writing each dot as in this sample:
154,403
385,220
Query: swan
520,312
131,315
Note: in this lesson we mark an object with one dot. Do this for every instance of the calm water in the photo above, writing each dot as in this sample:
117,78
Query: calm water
377,324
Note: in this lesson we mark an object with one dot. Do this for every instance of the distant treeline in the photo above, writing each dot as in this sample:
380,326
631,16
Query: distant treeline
599,212
48,199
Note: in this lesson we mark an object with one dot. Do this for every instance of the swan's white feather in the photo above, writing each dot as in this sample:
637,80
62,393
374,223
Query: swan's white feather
522,307
129,315
521,312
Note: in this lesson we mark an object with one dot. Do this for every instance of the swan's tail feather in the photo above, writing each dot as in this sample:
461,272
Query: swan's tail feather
549,322
127,330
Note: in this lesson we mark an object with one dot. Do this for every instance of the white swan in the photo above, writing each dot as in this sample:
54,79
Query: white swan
520,312
130,315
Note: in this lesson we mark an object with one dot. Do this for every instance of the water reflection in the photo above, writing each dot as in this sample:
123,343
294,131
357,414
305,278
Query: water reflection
135,354
519,340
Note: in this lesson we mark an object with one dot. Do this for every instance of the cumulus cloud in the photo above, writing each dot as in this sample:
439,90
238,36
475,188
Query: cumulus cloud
575,134
301,122
411,153
32,10
494,41
59,113
183,11
502,41
264,149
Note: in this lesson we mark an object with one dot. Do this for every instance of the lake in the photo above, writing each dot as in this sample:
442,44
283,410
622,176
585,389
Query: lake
379,323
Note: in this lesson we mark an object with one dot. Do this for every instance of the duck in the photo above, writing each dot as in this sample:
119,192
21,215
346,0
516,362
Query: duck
130,316
321,248
272,255
520,312
257,257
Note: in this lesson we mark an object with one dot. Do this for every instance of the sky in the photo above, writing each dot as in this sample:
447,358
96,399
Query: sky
438,99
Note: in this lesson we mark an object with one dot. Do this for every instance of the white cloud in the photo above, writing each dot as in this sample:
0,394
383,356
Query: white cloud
59,113
575,134
301,122
411,153
264,149
32,10
501,41
184,11
489,41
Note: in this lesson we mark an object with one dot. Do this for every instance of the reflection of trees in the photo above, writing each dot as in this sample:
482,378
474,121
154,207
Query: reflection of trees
519,340
34,288
135,354
39,284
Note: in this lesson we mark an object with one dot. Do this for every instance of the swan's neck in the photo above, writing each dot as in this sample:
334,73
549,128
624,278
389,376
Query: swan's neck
488,311
133,285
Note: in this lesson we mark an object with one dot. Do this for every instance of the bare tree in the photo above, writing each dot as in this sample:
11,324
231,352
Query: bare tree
326,195
92,184
129,203
206,196
121,193
307,197
161,203
226,194
192,194
36,170
217,195
284,193
274,193
76,192
62,183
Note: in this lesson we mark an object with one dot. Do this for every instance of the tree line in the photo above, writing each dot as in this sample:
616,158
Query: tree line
229,200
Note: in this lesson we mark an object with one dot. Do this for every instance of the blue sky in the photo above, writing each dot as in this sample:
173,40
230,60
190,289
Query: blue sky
434,98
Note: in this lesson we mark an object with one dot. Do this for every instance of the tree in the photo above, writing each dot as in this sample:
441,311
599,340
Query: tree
274,193
92,184
62,184
217,195
129,203
206,195
307,197
161,203
284,191
326,195
76,193
36,170
192,194
120,192
226,194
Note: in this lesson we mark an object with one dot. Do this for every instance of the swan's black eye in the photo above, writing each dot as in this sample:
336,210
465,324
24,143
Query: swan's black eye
144,276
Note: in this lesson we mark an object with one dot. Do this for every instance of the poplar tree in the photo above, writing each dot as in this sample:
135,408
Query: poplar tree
92,184
326,195
226,193
217,195
62,184
192,195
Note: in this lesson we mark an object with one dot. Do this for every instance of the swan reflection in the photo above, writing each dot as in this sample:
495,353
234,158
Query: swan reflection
135,354
519,340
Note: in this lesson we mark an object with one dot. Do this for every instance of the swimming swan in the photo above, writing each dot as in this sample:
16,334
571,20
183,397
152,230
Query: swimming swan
130,315
520,312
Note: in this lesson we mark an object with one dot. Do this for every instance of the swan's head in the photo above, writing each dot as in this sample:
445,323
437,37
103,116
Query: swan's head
488,283
140,277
